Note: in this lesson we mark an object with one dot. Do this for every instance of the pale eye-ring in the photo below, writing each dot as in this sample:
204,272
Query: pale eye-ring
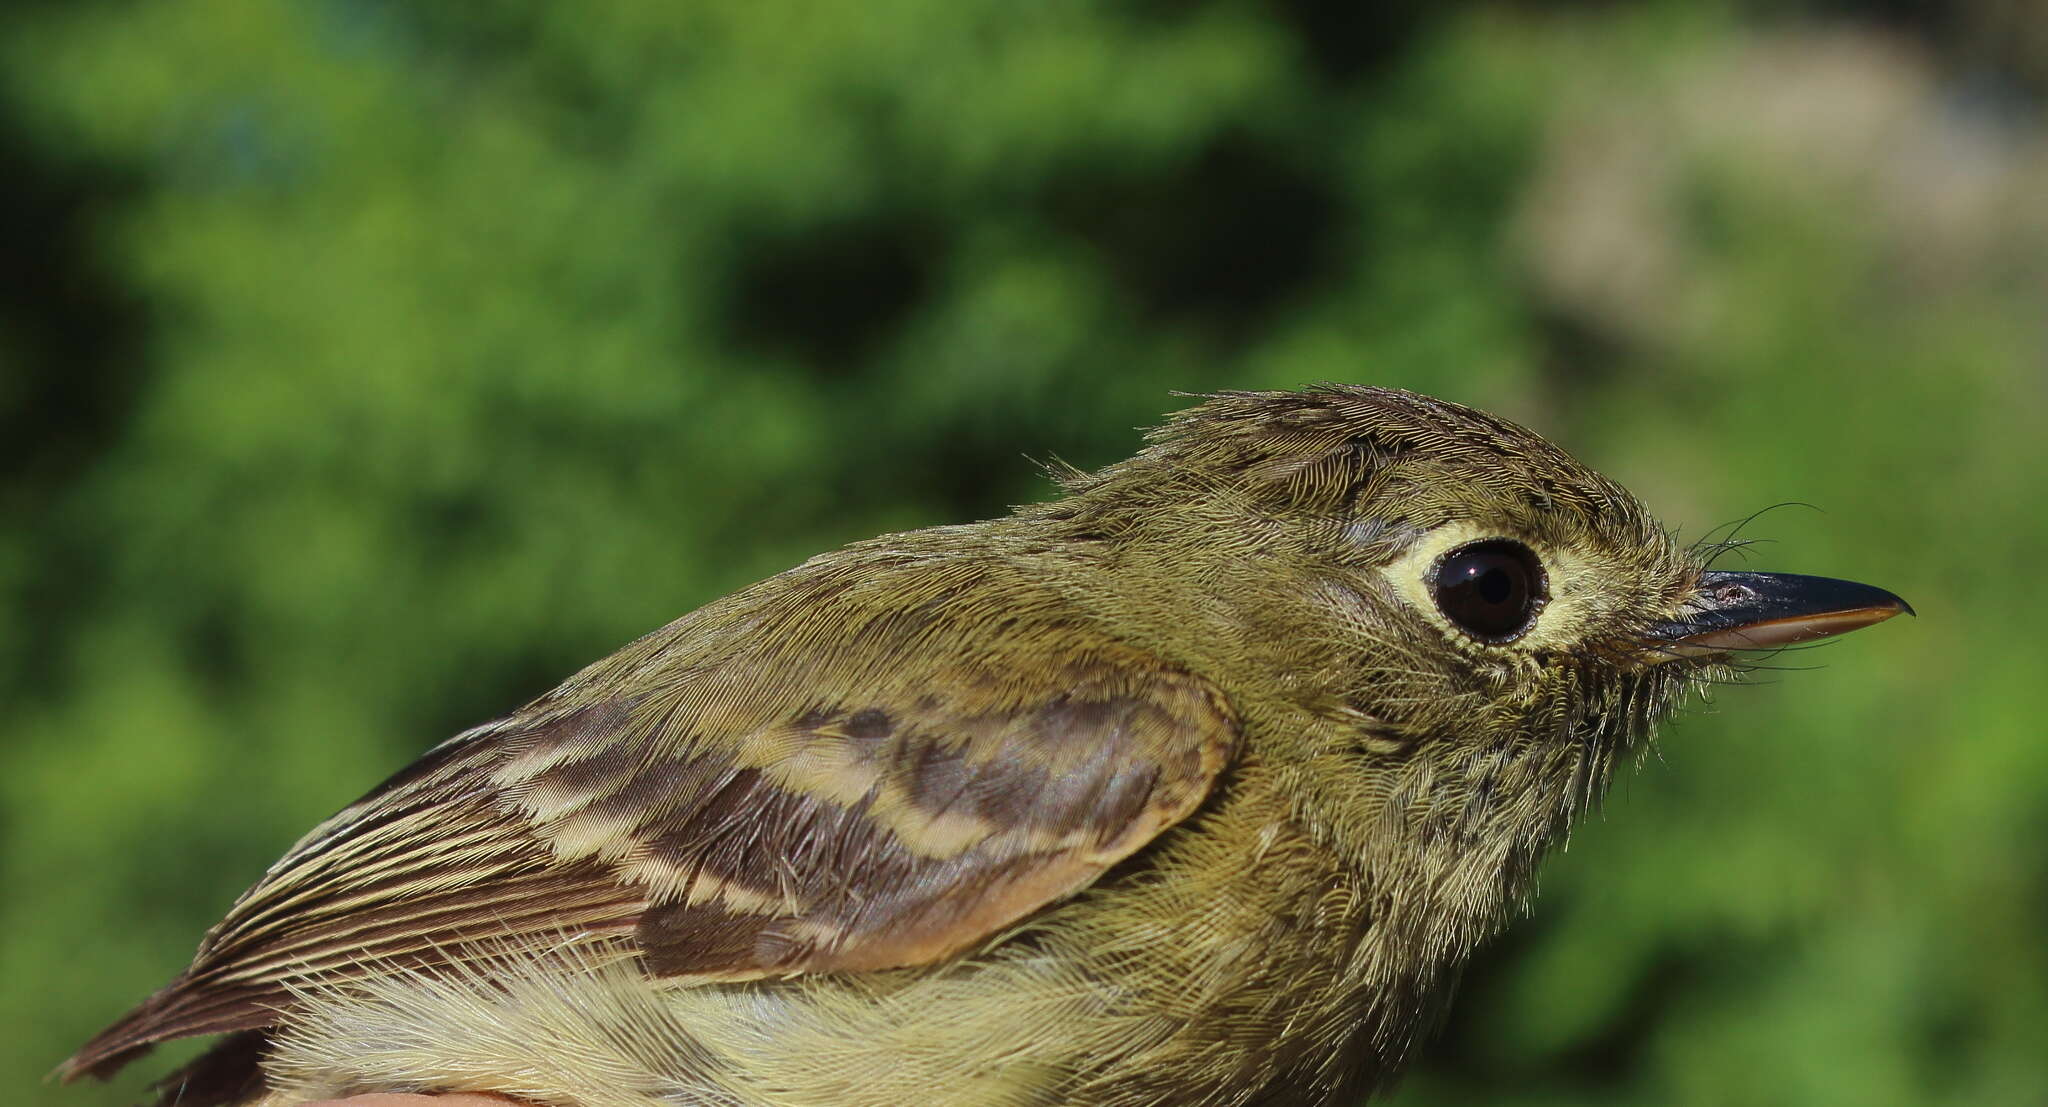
1489,589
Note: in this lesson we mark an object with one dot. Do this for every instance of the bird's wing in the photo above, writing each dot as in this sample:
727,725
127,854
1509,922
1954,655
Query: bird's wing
857,765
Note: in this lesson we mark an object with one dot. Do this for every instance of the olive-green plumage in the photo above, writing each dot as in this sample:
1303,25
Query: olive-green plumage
1196,785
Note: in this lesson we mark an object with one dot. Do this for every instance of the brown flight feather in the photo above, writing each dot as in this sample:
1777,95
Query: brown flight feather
711,820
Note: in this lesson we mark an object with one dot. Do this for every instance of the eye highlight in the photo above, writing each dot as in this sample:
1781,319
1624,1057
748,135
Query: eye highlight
1490,589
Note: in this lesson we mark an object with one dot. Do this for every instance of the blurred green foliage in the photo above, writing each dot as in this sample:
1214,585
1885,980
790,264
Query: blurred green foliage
367,367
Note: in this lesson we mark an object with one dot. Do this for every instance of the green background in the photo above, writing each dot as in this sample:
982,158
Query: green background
367,367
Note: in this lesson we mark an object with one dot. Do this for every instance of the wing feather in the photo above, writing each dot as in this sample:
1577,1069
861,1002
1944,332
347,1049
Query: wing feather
868,762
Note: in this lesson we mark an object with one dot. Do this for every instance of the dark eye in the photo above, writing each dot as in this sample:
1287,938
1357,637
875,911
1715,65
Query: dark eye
1490,589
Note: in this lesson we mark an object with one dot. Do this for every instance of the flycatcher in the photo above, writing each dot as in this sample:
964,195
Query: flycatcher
1193,786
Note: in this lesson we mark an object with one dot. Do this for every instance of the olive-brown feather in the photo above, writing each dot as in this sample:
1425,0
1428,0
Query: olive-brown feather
728,822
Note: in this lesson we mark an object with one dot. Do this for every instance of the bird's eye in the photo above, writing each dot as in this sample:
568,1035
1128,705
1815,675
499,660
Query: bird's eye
1490,590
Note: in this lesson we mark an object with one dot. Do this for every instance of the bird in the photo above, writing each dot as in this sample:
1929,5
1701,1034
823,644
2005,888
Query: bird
1196,784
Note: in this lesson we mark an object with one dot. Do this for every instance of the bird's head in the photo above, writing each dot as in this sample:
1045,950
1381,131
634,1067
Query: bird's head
1444,621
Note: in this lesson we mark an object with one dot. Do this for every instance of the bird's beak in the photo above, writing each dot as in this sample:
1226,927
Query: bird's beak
1762,611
